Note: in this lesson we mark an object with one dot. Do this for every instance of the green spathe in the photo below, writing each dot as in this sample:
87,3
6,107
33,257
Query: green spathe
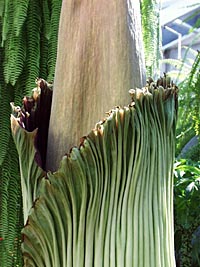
111,201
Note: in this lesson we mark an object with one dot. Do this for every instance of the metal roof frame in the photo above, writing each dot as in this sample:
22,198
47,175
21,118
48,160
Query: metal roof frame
172,21
175,9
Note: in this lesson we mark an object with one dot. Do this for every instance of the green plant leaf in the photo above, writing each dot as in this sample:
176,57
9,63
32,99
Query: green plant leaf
31,173
190,188
189,169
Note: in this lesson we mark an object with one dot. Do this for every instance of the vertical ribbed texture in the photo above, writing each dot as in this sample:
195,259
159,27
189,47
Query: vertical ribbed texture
111,201
100,57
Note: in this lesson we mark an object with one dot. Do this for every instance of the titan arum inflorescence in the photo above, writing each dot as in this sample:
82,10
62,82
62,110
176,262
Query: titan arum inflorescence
110,203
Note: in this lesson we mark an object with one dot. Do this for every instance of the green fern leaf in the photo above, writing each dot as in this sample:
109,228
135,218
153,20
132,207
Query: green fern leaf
189,50
43,58
20,11
7,19
55,17
33,28
10,209
5,99
4,214
151,34
45,35
178,64
15,53
15,215
194,71
46,19
2,5
19,91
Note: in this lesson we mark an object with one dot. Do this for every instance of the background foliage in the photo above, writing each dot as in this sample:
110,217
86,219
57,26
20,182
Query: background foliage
152,39
28,43
189,112
187,212
187,75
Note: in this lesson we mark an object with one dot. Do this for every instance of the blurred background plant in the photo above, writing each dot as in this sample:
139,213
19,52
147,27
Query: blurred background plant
181,61
187,212
187,75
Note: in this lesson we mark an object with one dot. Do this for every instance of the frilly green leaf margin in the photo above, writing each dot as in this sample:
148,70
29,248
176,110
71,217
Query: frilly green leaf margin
31,173
111,201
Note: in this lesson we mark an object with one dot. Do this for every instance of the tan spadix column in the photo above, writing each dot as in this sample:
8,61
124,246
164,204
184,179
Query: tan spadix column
100,57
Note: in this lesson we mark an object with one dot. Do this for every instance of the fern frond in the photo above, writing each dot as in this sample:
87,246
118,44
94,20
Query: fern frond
4,215
5,100
20,11
189,111
33,28
46,18
194,83
20,87
45,35
178,64
173,74
151,34
180,69
10,191
55,17
195,70
7,19
44,57
190,61
10,208
15,53
1,63
15,218
2,5
190,50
